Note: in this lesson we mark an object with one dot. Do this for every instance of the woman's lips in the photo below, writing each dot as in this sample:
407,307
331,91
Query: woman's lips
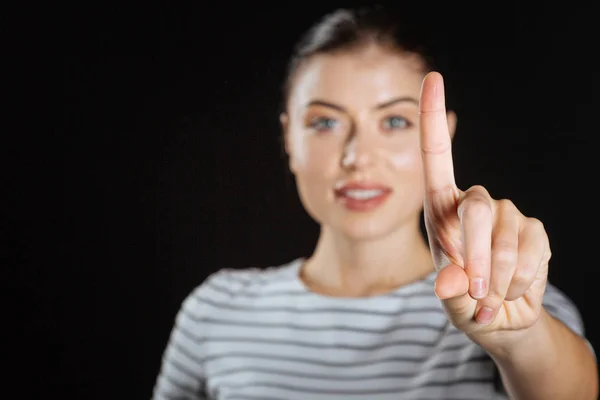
362,196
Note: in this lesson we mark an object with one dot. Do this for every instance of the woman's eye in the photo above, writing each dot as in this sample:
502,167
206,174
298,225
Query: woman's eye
396,123
323,124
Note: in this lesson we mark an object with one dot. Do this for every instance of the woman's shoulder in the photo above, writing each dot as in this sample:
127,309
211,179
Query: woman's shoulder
228,286
232,281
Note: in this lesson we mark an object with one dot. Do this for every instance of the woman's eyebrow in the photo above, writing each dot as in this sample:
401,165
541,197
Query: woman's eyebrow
385,104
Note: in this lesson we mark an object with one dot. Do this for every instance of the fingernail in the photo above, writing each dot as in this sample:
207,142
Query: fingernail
477,288
484,316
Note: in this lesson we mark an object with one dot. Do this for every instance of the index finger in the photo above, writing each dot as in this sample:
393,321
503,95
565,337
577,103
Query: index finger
436,146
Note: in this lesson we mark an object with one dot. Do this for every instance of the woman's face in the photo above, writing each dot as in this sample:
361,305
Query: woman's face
352,136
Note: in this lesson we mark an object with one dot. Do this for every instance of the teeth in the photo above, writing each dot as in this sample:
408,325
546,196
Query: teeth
363,194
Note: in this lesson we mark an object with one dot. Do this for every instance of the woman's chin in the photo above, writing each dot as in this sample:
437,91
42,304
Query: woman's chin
365,229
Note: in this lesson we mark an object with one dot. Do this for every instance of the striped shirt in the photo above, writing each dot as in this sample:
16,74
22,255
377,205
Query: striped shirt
261,334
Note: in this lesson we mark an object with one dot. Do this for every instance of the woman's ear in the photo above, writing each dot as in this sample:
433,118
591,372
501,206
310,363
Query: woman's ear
285,120
451,118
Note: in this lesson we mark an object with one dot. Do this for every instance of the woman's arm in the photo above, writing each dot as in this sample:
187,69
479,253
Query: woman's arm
552,360
547,362
181,375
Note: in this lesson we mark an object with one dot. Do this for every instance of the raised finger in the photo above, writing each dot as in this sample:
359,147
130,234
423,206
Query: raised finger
436,149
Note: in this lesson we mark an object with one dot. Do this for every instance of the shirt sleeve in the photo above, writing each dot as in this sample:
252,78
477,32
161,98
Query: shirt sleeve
181,375
563,309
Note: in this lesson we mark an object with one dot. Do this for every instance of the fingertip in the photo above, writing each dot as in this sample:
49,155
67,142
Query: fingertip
434,75
451,282
432,92
485,316
439,290
478,288
433,78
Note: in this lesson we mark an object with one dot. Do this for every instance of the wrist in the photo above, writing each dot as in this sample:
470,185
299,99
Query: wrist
509,345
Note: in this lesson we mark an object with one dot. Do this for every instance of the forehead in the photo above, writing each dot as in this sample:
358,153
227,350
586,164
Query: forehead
357,79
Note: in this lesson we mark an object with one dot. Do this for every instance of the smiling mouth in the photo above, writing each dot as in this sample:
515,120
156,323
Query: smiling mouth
362,197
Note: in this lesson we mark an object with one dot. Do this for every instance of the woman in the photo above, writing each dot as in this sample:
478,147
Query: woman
376,313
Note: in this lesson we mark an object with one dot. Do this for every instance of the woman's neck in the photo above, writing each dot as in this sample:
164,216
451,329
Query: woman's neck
341,266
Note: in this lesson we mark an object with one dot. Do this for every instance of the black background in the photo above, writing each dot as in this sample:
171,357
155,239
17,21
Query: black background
158,161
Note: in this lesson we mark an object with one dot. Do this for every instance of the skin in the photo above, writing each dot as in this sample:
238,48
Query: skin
321,158
344,122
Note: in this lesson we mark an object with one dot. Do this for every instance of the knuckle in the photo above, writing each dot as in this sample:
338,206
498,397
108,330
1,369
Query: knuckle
447,190
523,276
506,205
479,189
476,207
548,255
495,297
504,254
440,147
536,224
513,294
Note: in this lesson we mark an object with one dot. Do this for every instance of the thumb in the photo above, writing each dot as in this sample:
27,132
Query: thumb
452,287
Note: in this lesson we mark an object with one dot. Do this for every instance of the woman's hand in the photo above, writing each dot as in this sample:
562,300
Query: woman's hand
492,259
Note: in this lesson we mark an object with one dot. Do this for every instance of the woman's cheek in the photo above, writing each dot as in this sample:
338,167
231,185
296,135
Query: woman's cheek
319,158
406,159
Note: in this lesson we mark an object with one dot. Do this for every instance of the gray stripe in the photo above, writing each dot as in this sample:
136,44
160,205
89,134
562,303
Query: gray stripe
257,279
178,386
252,397
329,310
171,361
304,360
481,358
204,322
396,390
183,351
426,292
312,345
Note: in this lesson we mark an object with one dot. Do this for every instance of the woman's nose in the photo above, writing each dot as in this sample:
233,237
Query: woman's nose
358,151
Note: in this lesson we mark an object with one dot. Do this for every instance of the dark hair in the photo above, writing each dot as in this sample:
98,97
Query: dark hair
347,29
